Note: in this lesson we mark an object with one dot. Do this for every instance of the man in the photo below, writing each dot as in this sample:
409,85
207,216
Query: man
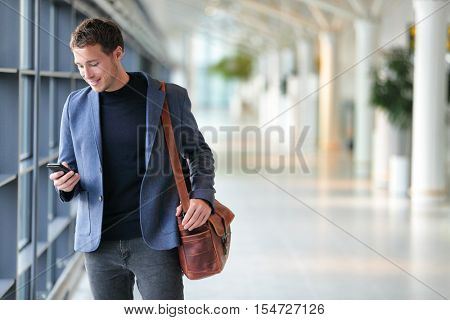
113,141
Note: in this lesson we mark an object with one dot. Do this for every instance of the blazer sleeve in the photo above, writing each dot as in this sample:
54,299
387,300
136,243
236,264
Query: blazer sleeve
199,156
66,151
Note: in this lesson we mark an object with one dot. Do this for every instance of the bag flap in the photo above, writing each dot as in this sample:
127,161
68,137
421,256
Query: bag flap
222,217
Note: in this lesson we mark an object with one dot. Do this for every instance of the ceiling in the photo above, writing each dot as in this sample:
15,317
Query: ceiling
249,24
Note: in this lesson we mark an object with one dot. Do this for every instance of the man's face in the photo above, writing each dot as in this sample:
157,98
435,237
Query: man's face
97,68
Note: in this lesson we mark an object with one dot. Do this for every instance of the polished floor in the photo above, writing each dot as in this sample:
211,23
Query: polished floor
325,235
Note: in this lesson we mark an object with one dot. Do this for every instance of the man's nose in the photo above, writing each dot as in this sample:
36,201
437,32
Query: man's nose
88,73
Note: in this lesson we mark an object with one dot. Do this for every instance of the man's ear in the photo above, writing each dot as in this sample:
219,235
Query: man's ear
118,53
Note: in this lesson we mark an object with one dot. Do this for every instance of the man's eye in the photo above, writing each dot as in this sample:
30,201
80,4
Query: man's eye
94,64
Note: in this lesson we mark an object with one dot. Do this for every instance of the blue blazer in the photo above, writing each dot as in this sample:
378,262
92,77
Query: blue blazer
80,146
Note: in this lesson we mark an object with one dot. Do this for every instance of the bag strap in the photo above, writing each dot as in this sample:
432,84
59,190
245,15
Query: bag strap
173,154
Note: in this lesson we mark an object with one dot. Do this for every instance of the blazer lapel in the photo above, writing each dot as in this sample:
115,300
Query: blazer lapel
155,101
93,98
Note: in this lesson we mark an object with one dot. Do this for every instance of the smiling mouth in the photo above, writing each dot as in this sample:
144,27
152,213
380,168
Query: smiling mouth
94,83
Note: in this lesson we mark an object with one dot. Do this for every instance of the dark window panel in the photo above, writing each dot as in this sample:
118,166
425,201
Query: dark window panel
42,194
23,285
51,266
27,35
62,209
131,59
80,84
25,190
10,21
41,277
43,118
79,17
8,123
26,117
64,58
63,250
44,35
51,200
8,230
62,91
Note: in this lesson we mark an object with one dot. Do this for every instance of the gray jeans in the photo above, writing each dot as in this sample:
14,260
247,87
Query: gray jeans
114,266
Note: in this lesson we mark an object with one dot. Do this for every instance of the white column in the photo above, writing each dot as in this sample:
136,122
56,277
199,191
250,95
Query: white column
287,61
177,44
192,67
307,85
328,130
365,44
428,131
274,92
270,105
381,150
287,100
305,57
262,98
292,124
269,101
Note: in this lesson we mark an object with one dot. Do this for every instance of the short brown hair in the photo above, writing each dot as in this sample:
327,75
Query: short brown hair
94,31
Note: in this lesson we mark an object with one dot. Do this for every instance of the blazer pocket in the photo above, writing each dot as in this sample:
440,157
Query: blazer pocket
83,222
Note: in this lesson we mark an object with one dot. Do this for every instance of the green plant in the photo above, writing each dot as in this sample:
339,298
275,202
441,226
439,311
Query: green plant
238,66
392,88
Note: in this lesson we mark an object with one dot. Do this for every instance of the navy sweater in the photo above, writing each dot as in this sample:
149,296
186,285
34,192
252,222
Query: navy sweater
122,120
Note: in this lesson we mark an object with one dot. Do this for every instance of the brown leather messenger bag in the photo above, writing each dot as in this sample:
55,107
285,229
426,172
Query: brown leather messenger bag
203,251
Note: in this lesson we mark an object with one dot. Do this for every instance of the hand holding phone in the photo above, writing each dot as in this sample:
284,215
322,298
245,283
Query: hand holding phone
55,167
63,177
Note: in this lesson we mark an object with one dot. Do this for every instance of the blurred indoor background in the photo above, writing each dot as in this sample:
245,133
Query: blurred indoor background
329,122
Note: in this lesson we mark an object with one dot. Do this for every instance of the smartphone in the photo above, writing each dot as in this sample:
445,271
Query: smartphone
55,167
